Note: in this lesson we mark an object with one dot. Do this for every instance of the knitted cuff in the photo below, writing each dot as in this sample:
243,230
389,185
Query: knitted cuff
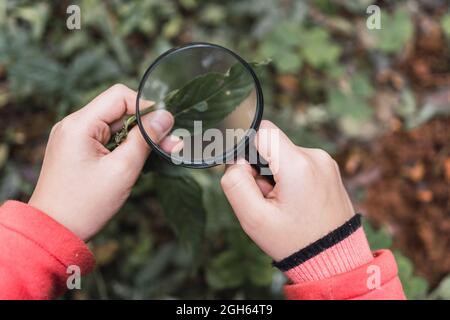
340,251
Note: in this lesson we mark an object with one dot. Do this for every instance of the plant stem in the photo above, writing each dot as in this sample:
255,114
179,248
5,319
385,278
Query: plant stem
128,123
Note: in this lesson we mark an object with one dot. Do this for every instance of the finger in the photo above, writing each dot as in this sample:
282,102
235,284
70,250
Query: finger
117,125
243,193
275,147
134,149
112,104
264,185
172,144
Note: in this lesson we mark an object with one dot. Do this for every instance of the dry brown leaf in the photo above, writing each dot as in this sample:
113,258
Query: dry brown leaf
415,172
425,195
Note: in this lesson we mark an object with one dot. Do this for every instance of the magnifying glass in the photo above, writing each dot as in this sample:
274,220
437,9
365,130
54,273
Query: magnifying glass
216,100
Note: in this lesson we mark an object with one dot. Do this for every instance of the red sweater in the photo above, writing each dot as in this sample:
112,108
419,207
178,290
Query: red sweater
37,251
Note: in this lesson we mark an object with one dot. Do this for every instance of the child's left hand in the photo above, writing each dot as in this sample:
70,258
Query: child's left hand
82,184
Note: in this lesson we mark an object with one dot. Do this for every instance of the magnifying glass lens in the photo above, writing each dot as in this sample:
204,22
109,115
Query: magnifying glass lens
213,97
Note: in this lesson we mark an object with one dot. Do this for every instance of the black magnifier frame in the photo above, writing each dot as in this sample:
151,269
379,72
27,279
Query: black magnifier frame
229,154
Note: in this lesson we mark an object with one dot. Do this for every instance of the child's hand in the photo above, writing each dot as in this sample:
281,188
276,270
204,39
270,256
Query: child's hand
82,184
307,202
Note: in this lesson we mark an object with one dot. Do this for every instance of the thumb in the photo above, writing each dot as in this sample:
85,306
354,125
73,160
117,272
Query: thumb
135,150
243,193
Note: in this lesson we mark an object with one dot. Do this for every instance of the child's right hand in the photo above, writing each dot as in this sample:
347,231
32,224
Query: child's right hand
307,202
82,184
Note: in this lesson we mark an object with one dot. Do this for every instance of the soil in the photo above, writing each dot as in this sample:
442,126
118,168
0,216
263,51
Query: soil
410,193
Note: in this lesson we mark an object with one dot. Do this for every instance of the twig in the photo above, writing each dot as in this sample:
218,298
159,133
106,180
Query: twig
128,123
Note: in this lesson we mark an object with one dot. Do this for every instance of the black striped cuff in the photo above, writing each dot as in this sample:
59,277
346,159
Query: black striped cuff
320,245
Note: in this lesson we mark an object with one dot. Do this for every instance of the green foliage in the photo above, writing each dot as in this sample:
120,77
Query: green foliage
181,198
442,292
415,287
282,47
378,239
242,264
317,48
350,104
445,23
415,117
290,45
396,31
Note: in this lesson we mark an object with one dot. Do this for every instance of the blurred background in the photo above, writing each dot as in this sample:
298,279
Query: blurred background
377,100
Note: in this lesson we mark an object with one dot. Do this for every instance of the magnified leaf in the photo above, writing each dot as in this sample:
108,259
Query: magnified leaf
210,97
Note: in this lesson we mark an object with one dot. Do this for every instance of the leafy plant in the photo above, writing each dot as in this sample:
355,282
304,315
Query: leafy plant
350,104
396,31
181,199
442,292
290,45
242,263
282,47
318,49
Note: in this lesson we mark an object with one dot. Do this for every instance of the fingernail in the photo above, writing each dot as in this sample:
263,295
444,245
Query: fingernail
160,122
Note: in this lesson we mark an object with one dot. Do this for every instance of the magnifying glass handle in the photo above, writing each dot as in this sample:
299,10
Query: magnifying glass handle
263,169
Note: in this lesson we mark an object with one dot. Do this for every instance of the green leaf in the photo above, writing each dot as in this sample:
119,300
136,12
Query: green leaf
407,107
282,47
210,97
260,270
445,24
90,68
288,61
172,27
318,49
37,16
225,271
41,76
415,287
361,85
378,239
213,14
288,34
428,112
181,199
348,105
405,267
443,290
396,31
351,107
243,263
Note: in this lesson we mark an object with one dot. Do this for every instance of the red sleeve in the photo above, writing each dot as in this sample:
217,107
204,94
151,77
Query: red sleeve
36,252
340,266
376,279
